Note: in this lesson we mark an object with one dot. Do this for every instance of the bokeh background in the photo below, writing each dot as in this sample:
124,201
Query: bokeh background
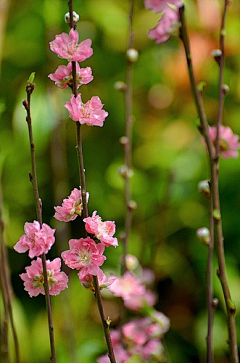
169,160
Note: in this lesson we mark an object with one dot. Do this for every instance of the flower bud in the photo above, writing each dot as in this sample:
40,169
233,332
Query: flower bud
131,262
216,54
75,17
225,89
204,235
132,55
120,86
125,172
124,140
204,187
132,205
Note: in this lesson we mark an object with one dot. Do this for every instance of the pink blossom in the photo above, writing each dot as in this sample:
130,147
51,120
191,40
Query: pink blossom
229,142
36,239
160,5
167,26
66,46
127,286
34,279
84,254
71,206
104,231
135,332
90,113
87,279
121,355
63,76
136,302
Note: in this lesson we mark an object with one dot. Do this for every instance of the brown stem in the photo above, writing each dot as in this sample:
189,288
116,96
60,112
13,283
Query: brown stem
33,179
128,143
105,322
213,161
7,294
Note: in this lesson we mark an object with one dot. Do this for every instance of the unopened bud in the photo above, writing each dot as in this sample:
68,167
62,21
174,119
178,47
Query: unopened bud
216,215
215,302
75,17
132,205
204,187
120,86
132,55
204,235
125,172
131,262
216,54
225,89
124,140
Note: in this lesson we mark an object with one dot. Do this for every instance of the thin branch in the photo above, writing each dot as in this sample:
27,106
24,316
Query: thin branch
105,322
33,179
213,161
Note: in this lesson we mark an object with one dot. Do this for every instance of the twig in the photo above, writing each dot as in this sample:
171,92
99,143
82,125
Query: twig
33,179
105,322
213,161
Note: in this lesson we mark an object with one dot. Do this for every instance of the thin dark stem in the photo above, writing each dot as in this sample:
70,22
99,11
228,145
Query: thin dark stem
128,143
210,305
105,322
33,179
213,161
7,291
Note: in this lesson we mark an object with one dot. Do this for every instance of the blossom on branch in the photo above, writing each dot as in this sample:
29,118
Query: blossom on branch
71,206
160,5
34,279
104,231
167,26
86,279
228,141
37,239
66,46
84,254
63,76
90,113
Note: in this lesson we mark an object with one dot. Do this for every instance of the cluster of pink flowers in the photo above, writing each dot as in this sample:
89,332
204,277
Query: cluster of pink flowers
66,46
140,337
38,241
228,141
169,21
85,254
133,291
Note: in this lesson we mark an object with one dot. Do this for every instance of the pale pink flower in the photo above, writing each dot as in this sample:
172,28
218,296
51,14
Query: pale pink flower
167,26
36,239
63,76
136,302
104,231
152,350
127,286
135,332
34,279
84,254
160,5
229,142
162,321
71,206
121,355
86,279
90,113
66,46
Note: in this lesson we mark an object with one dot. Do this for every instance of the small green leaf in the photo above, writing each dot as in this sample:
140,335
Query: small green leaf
31,77
201,85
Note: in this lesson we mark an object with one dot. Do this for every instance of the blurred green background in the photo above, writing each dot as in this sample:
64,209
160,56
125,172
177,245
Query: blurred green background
168,160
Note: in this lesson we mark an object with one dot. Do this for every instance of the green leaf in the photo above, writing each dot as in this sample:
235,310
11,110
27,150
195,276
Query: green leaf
31,77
